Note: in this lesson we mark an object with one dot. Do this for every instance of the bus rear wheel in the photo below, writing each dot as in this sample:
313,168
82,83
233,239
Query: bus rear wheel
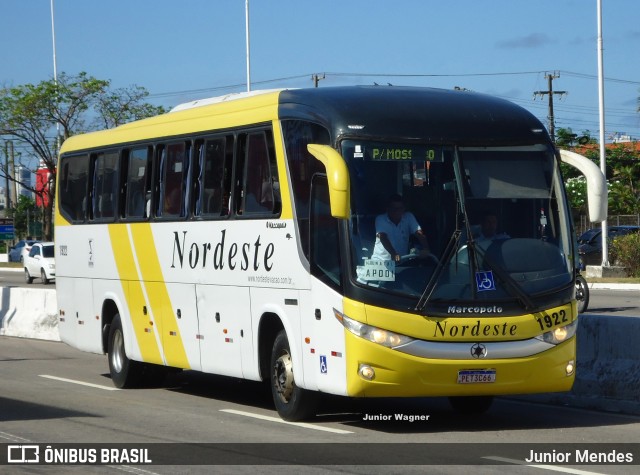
292,403
471,404
124,372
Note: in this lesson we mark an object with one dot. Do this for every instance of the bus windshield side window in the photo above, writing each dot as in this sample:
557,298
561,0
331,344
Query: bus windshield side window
302,167
325,244
73,187
261,188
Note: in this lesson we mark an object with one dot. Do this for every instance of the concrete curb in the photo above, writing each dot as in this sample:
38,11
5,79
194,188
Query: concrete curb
608,365
29,313
613,286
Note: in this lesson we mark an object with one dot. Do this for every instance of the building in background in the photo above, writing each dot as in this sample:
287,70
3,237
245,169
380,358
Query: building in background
24,182
43,181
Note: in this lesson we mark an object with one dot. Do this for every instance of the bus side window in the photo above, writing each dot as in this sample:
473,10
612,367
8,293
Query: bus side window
136,183
105,185
171,190
261,188
213,160
73,187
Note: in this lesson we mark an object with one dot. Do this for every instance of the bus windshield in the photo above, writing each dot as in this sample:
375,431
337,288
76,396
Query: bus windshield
495,221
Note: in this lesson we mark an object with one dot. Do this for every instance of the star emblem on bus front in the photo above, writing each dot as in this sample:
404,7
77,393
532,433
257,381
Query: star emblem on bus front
478,350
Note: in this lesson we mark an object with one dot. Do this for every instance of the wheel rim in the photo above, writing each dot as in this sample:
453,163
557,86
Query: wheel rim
26,275
283,377
43,276
117,356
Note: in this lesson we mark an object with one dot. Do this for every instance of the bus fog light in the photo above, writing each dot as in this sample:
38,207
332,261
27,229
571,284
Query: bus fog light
366,372
571,367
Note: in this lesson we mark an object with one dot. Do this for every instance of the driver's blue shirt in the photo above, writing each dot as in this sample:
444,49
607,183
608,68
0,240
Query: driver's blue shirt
398,235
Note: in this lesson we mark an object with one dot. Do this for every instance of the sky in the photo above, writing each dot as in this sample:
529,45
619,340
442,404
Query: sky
182,50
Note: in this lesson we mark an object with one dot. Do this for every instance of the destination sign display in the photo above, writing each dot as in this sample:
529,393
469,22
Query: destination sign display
394,152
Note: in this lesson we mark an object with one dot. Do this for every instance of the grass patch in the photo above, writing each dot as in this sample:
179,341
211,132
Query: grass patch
11,265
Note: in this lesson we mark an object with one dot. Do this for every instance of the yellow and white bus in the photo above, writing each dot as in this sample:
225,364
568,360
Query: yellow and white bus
236,236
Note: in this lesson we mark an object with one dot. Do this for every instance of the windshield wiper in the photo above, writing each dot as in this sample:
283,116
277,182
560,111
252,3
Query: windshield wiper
451,248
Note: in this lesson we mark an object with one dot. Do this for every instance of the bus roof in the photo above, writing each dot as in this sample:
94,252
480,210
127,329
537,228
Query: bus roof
405,113
425,114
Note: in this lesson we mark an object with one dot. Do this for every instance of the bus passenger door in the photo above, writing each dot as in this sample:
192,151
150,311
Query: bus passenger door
325,360
225,326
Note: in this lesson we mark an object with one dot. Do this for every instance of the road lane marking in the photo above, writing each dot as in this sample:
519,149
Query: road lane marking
277,419
130,469
81,383
12,438
543,467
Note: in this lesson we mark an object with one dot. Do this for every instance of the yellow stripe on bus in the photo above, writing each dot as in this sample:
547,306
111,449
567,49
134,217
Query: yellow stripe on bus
134,296
158,296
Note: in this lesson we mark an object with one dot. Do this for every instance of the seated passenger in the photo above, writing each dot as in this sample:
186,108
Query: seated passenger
488,230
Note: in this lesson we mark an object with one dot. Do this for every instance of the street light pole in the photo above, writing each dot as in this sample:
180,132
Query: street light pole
246,8
603,159
53,38
55,72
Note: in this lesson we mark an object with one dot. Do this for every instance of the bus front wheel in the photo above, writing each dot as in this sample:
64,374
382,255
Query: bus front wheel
292,403
471,404
124,372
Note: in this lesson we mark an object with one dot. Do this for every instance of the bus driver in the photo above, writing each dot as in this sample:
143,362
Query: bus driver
393,231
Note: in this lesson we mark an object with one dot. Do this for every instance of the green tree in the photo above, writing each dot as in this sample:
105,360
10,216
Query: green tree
24,214
565,137
40,117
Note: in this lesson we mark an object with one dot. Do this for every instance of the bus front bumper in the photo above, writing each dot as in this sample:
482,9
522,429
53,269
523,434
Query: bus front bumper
376,371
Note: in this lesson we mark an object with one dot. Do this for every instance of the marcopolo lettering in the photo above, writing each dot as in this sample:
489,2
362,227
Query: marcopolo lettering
474,310
221,254
443,329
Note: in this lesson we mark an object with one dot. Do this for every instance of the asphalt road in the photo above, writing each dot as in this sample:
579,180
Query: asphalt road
15,278
53,394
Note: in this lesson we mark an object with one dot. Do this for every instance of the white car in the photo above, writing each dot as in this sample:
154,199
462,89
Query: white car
40,262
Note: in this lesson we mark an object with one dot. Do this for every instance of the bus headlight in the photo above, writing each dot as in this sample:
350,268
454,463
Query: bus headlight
373,334
560,334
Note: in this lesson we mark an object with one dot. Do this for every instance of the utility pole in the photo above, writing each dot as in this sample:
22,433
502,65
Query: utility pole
9,173
316,78
6,176
550,92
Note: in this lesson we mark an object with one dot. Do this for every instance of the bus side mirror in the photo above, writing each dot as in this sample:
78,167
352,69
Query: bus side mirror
597,195
337,177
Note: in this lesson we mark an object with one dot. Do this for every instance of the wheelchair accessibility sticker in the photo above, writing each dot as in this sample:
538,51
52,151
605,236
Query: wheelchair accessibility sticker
323,364
484,281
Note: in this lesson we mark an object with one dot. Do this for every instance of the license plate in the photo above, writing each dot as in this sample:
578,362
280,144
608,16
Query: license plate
476,376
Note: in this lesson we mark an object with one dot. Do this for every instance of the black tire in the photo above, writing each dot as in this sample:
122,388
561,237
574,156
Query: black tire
27,278
124,372
470,405
582,294
43,276
292,403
